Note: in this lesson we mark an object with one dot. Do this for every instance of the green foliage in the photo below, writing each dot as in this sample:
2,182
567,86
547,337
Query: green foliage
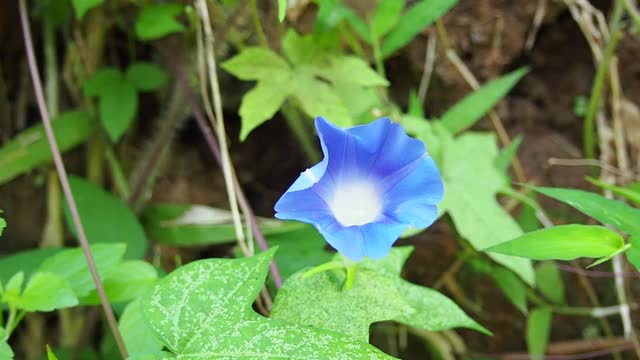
82,6
117,93
282,9
378,293
3,224
503,161
607,211
135,333
469,110
538,330
203,310
631,192
472,181
513,288
386,17
27,261
158,20
418,17
549,282
633,254
46,292
5,349
299,249
106,219
301,79
564,242
50,354
30,148
193,225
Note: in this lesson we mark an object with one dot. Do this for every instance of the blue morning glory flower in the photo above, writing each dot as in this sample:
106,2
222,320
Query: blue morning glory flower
373,183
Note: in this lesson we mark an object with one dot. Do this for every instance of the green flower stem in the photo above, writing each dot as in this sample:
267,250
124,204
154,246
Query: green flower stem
331,265
351,274
596,95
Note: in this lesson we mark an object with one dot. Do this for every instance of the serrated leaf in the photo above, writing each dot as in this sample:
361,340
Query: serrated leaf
372,298
563,242
351,70
473,107
146,76
158,20
117,107
137,337
30,147
549,282
607,211
471,183
46,292
538,329
418,17
71,265
386,17
317,98
5,349
261,103
101,213
257,63
512,287
203,310
82,6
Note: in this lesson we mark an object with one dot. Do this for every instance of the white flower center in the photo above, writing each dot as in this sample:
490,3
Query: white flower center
356,203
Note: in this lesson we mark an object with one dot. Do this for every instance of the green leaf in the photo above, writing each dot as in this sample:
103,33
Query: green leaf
117,106
372,298
158,20
71,265
27,261
472,181
101,81
82,6
257,63
146,76
30,148
386,17
137,337
418,17
633,254
513,288
203,310
13,288
128,280
47,292
193,225
563,242
3,224
50,354
538,329
261,103
282,9
331,13
472,108
297,249
317,98
628,192
101,213
5,349
302,50
503,161
351,70
549,282
607,211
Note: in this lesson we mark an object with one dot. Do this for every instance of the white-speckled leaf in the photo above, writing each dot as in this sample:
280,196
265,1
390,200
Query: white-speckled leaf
203,311
373,297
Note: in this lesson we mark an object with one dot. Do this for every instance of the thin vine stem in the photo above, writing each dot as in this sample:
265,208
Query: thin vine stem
62,174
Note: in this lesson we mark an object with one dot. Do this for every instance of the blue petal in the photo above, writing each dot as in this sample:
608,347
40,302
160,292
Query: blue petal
373,240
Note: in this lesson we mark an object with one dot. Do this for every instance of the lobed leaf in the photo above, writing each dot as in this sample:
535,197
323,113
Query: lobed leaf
317,98
261,103
257,63
351,70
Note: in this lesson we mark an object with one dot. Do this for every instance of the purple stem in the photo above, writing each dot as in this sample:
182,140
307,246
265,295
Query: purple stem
64,181
215,150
